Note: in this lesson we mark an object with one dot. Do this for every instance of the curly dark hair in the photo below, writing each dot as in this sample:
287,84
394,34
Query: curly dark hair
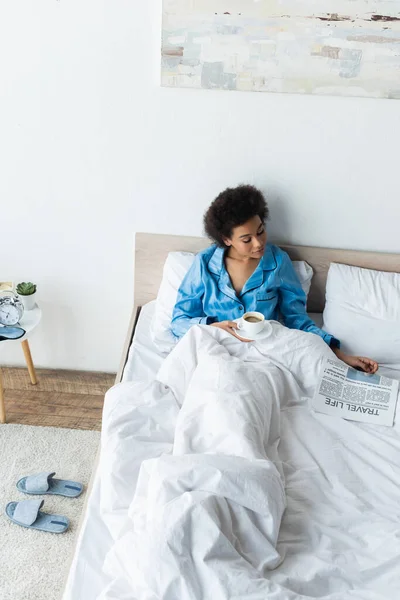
233,207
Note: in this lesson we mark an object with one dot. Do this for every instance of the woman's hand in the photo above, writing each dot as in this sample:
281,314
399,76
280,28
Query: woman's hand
230,327
357,362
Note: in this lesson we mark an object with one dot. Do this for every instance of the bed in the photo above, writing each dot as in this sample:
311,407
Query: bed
342,478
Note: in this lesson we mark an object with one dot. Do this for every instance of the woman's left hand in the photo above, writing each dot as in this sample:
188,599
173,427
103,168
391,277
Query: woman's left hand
357,362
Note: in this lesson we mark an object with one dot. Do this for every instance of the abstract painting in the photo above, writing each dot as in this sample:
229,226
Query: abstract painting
339,47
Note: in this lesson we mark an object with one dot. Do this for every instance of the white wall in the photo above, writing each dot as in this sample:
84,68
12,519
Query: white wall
92,150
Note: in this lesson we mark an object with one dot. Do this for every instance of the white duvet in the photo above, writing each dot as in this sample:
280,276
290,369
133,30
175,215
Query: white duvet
192,485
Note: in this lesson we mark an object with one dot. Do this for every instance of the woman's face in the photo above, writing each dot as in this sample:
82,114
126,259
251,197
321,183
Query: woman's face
249,239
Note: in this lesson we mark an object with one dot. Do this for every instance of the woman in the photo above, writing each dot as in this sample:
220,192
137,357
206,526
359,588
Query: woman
242,273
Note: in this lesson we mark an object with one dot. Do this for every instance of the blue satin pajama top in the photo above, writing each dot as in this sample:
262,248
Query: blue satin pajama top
206,294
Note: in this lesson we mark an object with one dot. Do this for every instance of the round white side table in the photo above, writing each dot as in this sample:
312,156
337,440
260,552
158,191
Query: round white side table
30,320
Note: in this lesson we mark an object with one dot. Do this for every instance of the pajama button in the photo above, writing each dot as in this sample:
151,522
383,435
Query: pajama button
240,307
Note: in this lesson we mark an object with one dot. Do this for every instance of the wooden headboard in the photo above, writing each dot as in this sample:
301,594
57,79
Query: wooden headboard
151,250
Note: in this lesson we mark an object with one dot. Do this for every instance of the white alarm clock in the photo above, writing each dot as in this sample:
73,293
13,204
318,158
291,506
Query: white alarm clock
11,308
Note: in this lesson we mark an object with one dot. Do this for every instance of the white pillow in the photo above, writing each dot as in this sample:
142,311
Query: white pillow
305,274
175,268
363,311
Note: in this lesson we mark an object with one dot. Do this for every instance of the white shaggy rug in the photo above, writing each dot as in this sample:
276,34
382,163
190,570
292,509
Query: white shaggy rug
34,564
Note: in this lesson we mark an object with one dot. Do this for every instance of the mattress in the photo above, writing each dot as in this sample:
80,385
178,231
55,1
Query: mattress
144,360
342,481
85,579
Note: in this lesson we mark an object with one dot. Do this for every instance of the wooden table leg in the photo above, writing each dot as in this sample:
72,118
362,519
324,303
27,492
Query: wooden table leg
2,405
29,362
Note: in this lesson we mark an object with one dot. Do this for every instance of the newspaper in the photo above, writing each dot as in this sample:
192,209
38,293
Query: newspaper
345,392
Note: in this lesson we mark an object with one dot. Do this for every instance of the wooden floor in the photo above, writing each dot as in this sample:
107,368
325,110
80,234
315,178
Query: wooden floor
72,399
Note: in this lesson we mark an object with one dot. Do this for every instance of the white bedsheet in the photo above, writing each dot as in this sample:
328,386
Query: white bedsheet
144,360
340,535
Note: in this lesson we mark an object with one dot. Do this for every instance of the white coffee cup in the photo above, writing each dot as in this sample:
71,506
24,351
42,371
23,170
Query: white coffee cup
251,323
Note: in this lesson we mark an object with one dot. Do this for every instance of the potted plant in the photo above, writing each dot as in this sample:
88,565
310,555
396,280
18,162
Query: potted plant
27,293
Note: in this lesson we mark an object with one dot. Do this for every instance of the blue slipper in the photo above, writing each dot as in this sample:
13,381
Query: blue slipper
11,333
27,514
43,483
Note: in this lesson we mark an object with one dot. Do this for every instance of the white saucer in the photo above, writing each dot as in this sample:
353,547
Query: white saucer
265,332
